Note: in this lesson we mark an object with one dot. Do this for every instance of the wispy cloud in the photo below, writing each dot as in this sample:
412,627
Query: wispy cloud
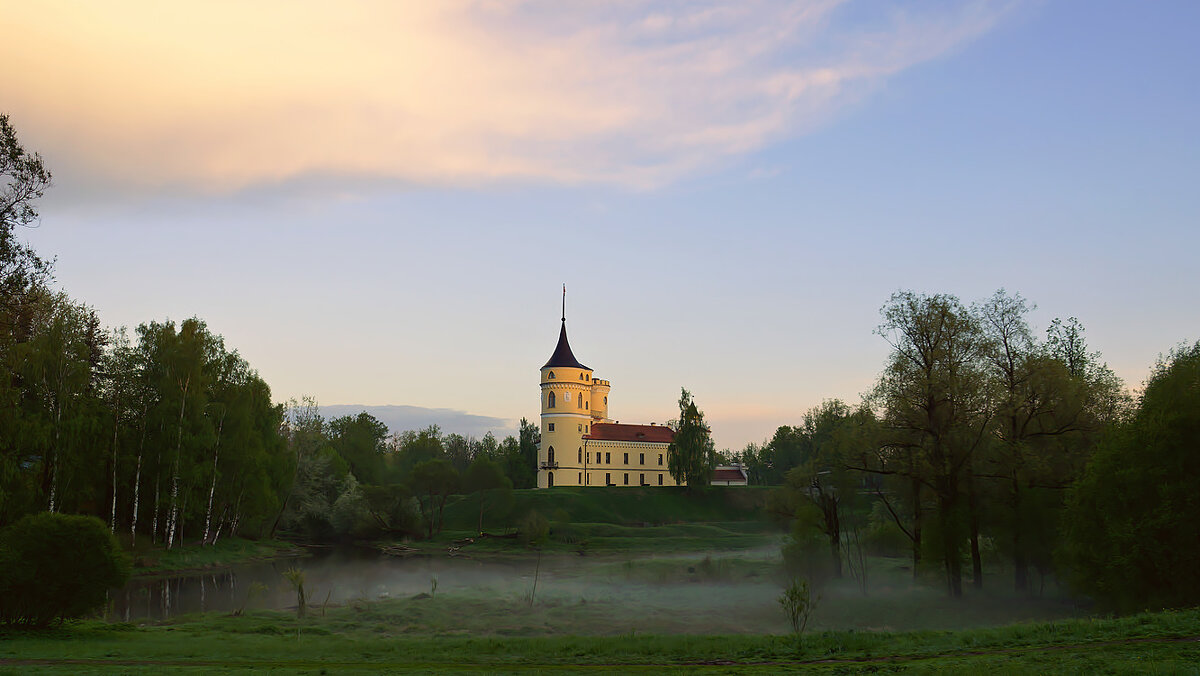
226,95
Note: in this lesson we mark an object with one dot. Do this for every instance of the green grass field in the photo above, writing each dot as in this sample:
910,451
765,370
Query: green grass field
619,506
391,637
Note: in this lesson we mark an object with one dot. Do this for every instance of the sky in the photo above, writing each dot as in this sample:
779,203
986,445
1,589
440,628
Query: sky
377,203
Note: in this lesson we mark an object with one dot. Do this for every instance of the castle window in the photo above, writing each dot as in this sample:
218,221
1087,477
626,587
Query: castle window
549,479
587,404
660,459
580,479
627,478
581,376
608,458
550,401
642,479
626,458
586,428
608,479
579,427
581,454
606,401
641,458
551,425
550,456
597,457
588,378
551,376
579,401
659,479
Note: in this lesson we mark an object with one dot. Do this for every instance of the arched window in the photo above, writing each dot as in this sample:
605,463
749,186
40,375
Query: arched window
550,456
550,480
581,376
550,401
606,401
579,401
551,376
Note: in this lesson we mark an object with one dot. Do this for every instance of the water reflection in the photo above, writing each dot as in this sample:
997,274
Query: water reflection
332,577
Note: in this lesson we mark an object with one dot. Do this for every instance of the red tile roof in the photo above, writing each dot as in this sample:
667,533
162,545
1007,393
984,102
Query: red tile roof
728,474
643,433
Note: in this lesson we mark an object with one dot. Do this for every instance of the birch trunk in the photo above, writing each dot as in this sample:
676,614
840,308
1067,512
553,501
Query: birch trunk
112,519
220,523
173,516
154,524
137,483
54,455
212,488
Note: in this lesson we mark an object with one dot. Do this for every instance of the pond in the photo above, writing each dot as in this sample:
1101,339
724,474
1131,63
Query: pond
688,593
330,576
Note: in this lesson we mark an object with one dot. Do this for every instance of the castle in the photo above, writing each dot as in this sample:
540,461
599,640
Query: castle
581,445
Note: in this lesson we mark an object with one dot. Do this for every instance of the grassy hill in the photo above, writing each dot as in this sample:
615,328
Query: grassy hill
599,520
621,506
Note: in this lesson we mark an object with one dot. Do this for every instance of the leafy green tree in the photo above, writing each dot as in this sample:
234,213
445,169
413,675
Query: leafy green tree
830,437
23,179
523,468
1130,526
392,508
692,456
433,481
360,440
1044,417
485,477
57,566
413,448
934,394
783,452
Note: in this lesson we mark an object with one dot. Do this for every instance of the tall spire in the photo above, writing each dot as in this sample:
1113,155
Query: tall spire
562,352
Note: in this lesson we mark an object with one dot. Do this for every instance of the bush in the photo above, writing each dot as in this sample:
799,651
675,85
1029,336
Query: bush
533,529
57,566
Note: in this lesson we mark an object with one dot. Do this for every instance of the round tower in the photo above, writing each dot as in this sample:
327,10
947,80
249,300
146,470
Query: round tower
600,390
566,387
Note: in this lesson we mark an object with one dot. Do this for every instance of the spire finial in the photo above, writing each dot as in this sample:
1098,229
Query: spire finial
564,316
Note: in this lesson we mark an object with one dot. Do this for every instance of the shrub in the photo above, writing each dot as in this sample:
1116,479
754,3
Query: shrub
798,604
533,529
57,566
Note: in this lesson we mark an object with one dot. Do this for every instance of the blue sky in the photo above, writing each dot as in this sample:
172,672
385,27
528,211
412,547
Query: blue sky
729,191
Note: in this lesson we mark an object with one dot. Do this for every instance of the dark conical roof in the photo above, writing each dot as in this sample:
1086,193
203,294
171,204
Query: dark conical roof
562,352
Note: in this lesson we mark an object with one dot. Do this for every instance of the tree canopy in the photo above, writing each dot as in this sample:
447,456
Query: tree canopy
1130,525
692,456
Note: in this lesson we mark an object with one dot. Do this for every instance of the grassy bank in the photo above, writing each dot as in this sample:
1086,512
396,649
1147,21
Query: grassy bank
588,539
370,638
618,506
598,520
154,560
